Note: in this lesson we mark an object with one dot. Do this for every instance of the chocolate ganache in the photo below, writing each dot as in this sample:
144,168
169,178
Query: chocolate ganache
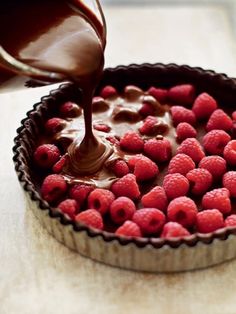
62,37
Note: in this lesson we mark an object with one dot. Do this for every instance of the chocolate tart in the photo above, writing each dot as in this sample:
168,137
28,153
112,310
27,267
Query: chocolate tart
143,254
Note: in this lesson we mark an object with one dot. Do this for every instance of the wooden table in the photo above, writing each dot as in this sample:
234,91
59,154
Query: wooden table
38,274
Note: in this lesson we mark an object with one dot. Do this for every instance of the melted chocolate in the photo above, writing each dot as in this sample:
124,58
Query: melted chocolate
61,37
108,112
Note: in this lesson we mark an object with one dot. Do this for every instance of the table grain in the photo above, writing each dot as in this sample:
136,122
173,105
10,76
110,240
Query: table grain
38,274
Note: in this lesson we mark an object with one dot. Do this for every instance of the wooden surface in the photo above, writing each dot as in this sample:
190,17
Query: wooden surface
39,275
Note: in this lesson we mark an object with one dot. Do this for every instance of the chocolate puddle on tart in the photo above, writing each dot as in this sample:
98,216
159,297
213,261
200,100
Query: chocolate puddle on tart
67,38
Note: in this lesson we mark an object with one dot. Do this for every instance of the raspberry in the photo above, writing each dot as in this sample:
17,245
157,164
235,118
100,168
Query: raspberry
159,150
230,153
108,91
54,125
126,186
149,126
209,221
159,93
53,188
120,168
46,155
150,220
101,200
145,169
180,114
134,159
200,180
230,221
185,130
146,110
122,209
192,148
156,198
219,120
58,166
181,163
215,141
182,210
182,94
129,229
229,182
80,192
102,127
132,142
113,140
69,207
203,106
234,115
216,165
217,199
70,110
99,104
132,92
91,218
175,185
174,230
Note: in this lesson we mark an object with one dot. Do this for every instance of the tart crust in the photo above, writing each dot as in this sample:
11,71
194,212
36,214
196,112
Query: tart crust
143,254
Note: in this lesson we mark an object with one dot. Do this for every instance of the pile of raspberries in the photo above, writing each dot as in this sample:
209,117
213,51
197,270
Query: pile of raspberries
197,193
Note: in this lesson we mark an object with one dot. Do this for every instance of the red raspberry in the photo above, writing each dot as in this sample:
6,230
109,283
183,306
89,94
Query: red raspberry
122,209
185,130
126,186
69,207
145,169
120,168
175,185
58,166
46,155
101,200
181,163
209,220
174,230
230,221
200,180
113,140
134,159
215,141
156,198
159,150
182,94
129,229
146,110
230,153
203,106
181,114
91,218
53,188
159,93
218,199
182,210
229,182
70,110
99,104
108,91
150,220
55,125
192,148
132,142
219,120
80,192
102,127
149,126
234,115
216,165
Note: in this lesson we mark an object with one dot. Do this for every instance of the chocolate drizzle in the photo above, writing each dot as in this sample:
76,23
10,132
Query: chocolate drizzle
69,41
